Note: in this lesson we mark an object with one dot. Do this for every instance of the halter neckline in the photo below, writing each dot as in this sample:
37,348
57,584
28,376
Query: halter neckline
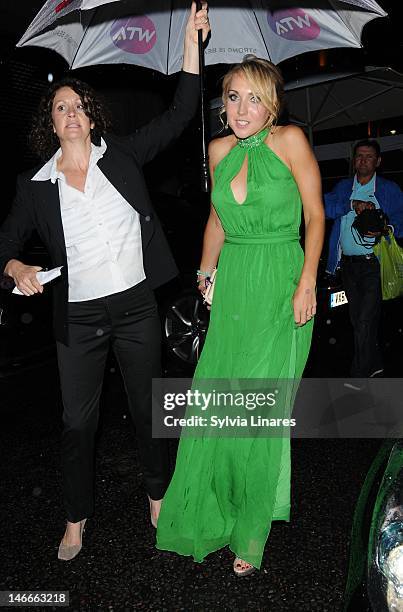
253,141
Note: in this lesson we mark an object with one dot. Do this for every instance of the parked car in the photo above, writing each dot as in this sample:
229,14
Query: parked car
375,575
184,317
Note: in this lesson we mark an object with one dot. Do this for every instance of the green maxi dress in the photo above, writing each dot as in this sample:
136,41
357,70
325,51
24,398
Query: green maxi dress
227,491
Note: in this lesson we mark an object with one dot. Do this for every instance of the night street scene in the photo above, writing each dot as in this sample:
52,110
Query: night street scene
337,543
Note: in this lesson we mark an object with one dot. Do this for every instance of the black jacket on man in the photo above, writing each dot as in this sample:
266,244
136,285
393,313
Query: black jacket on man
37,205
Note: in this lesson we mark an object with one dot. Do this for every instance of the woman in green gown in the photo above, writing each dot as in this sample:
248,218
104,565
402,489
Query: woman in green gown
228,490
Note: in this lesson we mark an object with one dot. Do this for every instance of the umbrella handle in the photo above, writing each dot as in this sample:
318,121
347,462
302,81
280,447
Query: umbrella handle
205,176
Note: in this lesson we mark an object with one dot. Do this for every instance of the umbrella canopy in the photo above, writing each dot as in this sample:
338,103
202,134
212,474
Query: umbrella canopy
150,32
324,102
344,149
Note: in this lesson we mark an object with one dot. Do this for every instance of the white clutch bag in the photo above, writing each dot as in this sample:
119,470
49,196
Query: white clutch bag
208,294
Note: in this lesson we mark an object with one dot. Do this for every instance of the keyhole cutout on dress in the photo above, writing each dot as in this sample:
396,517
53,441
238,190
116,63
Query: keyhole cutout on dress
239,184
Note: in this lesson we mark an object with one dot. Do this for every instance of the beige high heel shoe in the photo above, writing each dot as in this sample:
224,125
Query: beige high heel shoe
243,568
67,553
152,518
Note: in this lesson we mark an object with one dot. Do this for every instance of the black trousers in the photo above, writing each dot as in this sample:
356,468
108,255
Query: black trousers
128,322
362,284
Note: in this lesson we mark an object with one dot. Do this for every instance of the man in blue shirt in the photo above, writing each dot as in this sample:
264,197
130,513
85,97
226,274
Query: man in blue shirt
359,266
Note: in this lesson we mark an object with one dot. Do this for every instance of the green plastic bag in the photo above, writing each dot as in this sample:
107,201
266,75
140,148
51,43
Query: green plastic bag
390,256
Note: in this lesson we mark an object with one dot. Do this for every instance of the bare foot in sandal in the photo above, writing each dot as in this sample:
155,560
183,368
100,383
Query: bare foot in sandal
243,568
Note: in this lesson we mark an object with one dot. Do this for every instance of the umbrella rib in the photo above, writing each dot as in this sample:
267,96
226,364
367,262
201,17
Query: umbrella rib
328,93
169,37
380,81
83,36
260,30
346,108
312,120
345,23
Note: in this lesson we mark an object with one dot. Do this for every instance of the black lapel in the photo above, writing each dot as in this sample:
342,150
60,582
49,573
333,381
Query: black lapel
49,204
123,179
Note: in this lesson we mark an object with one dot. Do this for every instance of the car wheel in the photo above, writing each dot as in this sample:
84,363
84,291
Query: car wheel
185,326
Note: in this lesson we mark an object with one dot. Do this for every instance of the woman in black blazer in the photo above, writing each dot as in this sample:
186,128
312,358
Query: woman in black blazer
91,208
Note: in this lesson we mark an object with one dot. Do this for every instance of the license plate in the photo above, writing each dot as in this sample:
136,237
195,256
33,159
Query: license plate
338,298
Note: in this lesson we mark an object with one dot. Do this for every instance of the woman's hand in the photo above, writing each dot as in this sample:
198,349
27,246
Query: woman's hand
24,277
197,21
304,302
202,288
305,170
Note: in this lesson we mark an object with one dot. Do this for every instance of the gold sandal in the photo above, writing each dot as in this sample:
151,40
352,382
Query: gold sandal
240,570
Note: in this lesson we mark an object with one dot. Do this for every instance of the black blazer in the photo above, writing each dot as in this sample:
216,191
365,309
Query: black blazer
37,205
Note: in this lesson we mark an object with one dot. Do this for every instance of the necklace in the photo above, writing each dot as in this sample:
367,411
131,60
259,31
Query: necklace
253,141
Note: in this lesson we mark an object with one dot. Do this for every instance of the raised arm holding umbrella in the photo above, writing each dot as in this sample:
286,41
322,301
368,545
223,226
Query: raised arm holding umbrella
90,206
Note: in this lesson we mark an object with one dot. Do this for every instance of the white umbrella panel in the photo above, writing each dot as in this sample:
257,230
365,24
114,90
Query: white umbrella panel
150,32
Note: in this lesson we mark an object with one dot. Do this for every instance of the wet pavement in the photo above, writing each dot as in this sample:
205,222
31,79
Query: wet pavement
305,562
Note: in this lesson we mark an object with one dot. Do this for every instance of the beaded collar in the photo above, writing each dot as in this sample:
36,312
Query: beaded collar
253,141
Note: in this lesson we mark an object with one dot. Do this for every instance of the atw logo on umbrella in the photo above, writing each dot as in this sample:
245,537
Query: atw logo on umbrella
294,24
150,33
134,34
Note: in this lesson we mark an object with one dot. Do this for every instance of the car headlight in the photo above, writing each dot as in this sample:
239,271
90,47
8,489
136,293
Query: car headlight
390,555
385,548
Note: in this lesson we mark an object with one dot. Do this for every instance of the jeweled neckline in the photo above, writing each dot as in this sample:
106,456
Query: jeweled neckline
253,141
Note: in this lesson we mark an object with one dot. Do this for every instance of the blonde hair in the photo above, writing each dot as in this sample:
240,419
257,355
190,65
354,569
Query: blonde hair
266,83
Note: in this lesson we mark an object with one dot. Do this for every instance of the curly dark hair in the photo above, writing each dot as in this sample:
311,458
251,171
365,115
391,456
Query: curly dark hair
42,138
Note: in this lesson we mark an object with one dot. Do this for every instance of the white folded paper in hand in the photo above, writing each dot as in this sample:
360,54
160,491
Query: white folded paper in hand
44,276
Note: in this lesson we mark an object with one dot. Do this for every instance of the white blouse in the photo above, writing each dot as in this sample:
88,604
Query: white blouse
101,231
